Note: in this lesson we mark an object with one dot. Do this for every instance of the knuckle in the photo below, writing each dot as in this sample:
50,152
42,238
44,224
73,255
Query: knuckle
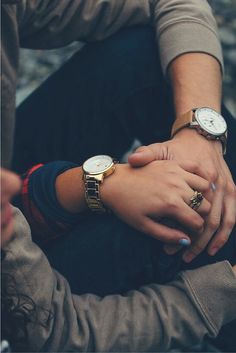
144,228
212,174
174,235
172,169
221,183
221,241
198,223
207,186
194,166
214,223
231,189
171,181
200,169
207,207
229,223
142,225
173,203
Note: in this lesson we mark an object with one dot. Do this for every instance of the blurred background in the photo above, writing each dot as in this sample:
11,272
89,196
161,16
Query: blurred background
37,65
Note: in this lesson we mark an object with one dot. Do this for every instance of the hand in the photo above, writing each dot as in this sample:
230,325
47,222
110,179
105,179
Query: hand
234,269
188,144
10,185
143,196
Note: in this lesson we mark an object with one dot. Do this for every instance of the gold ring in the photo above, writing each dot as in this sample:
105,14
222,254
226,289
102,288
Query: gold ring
196,200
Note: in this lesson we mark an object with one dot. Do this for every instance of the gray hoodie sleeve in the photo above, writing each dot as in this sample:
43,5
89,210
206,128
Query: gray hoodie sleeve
181,26
155,318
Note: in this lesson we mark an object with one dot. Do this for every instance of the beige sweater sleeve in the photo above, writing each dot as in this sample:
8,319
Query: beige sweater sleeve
185,26
181,26
155,318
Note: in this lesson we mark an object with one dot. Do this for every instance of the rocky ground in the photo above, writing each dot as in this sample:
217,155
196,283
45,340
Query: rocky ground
225,13
35,66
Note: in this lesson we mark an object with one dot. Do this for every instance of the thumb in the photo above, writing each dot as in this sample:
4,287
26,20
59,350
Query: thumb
147,154
142,156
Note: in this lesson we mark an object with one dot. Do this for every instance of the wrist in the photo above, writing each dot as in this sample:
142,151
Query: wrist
111,186
191,134
96,169
206,122
70,190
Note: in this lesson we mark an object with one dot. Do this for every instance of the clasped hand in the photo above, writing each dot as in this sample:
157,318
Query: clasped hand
210,165
143,196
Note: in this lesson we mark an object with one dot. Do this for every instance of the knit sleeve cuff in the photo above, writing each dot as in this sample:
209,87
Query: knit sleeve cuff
216,298
188,37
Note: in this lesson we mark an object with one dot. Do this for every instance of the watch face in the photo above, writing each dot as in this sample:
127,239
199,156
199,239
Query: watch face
211,121
97,164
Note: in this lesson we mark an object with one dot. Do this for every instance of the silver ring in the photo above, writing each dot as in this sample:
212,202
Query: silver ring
196,200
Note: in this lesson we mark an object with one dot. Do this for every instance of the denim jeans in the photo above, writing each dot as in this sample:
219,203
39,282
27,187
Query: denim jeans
104,97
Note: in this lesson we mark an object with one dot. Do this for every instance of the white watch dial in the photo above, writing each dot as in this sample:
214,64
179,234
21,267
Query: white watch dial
97,164
211,121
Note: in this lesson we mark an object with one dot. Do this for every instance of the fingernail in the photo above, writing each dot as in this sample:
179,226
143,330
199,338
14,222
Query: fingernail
213,251
213,187
188,257
184,242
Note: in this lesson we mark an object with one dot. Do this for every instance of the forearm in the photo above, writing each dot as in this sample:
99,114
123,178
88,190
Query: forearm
159,314
196,81
70,190
52,199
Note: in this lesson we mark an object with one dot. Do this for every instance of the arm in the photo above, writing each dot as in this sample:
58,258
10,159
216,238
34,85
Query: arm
54,23
48,217
196,81
53,198
154,318
181,26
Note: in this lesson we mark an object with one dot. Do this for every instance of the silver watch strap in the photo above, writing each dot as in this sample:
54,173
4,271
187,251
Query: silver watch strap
92,194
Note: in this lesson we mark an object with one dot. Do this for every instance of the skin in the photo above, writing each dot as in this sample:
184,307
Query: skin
164,188
196,82
142,196
187,73
10,186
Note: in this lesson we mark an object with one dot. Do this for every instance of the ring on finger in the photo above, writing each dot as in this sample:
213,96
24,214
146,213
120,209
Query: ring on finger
196,200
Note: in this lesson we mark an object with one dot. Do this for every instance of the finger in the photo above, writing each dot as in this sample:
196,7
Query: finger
197,183
212,224
203,209
172,249
164,233
227,221
197,246
196,168
188,218
142,156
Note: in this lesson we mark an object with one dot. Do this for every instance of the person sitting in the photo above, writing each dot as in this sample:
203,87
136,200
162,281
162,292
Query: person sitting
73,129
39,312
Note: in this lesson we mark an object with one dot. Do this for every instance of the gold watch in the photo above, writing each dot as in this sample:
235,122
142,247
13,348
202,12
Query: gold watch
95,170
206,121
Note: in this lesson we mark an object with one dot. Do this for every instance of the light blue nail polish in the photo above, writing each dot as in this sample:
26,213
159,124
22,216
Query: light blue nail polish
213,187
184,242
